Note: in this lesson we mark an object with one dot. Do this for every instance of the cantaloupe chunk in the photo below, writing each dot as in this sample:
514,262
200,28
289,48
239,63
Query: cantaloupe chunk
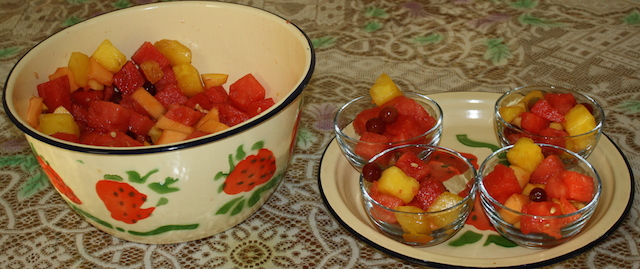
188,79
165,123
110,57
149,103
514,202
521,175
174,51
213,79
171,136
34,111
79,66
152,71
98,73
383,90
212,126
213,114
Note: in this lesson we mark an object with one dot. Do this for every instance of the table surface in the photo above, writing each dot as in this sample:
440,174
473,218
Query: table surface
426,46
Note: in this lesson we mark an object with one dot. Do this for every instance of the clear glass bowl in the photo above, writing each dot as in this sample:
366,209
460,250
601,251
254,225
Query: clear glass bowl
556,229
349,141
440,221
581,143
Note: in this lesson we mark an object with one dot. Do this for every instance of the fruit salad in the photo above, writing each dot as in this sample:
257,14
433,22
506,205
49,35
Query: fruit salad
419,193
533,187
156,97
551,116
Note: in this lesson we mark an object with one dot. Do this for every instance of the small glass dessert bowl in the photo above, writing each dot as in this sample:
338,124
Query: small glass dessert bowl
418,194
364,129
550,115
538,195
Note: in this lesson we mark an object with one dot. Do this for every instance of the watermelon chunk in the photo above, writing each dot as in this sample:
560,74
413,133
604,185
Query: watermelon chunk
55,93
217,94
170,95
551,166
128,79
562,102
580,187
106,116
533,123
230,115
429,191
84,97
147,52
544,109
501,183
413,166
183,115
367,150
245,91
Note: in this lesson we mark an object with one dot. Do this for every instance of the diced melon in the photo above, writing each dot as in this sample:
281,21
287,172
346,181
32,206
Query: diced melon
165,123
149,103
444,201
152,71
212,80
212,126
34,111
110,57
188,79
98,73
527,189
515,203
213,114
171,136
174,51
521,175
79,65
383,90
395,182
412,223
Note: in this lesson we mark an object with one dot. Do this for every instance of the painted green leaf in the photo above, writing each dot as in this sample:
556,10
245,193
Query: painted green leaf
219,175
258,145
9,52
134,177
497,52
238,208
469,237
240,154
372,26
71,21
323,42
162,201
430,39
374,12
529,19
164,229
500,241
113,177
165,187
524,4
633,18
255,197
226,207
465,140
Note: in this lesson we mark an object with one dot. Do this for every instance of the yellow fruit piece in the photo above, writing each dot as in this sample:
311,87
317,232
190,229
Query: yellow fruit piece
521,175
444,201
174,51
580,121
395,182
412,223
58,123
211,80
533,94
383,90
514,202
556,125
110,57
509,113
188,79
152,71
419,238
525,154
79,65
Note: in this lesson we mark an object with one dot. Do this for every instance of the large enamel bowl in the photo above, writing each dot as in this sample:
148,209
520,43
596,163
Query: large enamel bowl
177,192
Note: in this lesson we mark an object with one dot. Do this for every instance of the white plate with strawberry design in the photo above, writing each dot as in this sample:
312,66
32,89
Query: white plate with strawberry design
468,127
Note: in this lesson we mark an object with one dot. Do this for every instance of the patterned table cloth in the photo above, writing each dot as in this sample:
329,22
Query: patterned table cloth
431,46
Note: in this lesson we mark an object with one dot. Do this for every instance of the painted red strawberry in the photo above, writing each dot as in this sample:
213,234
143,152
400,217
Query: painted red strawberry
123,201
57,182
251,172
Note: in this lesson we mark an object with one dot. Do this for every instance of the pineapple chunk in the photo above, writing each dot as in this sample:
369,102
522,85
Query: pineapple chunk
383,90
509,113
531,95
110,57
580,121
211,80
395,182
412,223
79,65
442,202
58,123
521,175
174,51
188,79
525,154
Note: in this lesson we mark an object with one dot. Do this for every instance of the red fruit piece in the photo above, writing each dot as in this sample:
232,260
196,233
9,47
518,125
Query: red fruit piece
386,200
532,224
183,114
106,116
556,188
140,124
57,182
257,107
245,91
55,93
544,109
217,94
580,187
551,166
533,123
429,191
83,97
563,102
111,139
371,145
554,137
251,172
441,171
200,99
148,52
123,201
413,166
478,218
169,95
128,79
501,183
230,115
360,122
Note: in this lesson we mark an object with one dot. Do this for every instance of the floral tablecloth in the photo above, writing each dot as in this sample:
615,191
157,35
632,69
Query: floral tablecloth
429,46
